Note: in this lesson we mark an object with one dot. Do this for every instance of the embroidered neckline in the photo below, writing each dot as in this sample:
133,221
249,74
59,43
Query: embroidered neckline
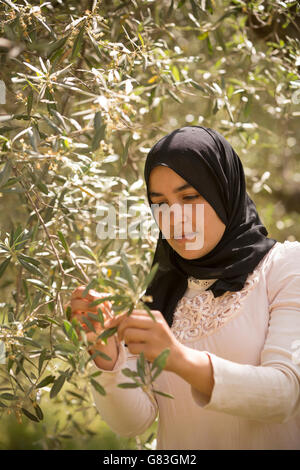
203,314
200,284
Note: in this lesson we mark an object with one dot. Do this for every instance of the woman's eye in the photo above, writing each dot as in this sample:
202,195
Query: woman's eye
161,203
190,197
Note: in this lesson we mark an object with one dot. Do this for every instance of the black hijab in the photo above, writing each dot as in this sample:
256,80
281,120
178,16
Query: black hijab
205,159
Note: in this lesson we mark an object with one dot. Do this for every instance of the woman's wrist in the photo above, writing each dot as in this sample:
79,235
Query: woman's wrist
194,367
111,349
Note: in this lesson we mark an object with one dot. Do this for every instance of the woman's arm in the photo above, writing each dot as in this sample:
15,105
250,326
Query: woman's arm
269,392
128,412
195,367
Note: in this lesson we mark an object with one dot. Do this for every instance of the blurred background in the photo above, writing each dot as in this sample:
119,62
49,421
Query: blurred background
86,89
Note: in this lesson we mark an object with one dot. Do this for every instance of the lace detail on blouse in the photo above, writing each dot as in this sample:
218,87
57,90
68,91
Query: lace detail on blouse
203,314
200,284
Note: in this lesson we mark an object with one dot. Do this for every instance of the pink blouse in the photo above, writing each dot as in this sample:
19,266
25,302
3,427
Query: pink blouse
251,337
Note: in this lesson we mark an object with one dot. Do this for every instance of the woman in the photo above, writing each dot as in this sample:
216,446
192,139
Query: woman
226,300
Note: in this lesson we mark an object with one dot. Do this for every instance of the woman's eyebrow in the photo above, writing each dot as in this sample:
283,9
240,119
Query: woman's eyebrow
176,190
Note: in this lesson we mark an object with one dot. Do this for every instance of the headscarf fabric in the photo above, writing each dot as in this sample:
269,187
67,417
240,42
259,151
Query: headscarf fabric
207,161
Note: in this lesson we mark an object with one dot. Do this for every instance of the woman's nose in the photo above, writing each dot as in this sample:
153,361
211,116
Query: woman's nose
173,218
181,214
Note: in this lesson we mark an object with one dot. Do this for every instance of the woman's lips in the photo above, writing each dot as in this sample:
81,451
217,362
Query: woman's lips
187,237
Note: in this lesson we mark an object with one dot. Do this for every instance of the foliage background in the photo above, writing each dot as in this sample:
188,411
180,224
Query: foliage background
90,86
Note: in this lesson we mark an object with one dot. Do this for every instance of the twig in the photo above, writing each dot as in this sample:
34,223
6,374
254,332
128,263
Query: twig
19,277
41,220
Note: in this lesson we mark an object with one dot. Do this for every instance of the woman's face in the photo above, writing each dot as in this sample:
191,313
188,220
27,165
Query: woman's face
193,216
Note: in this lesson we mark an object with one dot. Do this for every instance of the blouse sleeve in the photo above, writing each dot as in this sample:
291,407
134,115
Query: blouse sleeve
129,411
269,392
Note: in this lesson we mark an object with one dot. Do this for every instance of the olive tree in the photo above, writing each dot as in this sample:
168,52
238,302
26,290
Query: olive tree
86,88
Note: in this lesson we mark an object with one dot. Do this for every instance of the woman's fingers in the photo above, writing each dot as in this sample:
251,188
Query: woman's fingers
138,319
84,305
80,317
77,293
135,313
81,304
91,295
134,335
138,315
132,328
80,311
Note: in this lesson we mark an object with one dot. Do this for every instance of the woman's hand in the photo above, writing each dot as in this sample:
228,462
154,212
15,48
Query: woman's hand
142,334
80,309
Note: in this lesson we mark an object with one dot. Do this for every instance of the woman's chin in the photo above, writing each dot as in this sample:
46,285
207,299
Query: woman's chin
185,250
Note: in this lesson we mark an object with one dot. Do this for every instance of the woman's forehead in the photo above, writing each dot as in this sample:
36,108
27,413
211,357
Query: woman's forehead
160,175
